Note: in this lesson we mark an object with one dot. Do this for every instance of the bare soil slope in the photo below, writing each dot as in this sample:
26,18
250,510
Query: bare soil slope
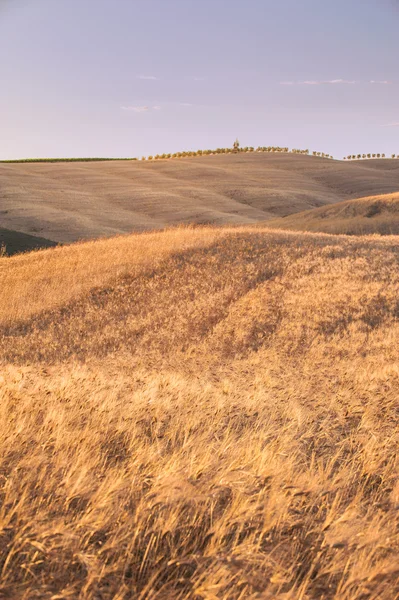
199,414
66,202
377,214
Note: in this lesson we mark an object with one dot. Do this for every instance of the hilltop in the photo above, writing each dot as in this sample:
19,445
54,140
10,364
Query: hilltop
66,202
376,214
201,413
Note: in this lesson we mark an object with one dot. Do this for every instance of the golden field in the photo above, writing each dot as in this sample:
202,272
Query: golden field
201,413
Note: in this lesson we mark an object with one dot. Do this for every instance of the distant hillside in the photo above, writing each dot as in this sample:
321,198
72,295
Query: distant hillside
376,214
65,202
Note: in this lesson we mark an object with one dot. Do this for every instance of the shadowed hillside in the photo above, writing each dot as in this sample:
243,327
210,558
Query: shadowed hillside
378,214
14,242
66,202
201,413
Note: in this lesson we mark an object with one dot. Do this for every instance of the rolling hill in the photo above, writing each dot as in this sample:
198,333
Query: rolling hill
66,202
376,214
201,413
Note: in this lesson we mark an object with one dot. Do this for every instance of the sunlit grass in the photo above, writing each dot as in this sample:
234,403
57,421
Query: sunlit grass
201,413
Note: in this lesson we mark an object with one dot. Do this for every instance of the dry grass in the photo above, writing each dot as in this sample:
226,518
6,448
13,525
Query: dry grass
40,281
364,216
217,418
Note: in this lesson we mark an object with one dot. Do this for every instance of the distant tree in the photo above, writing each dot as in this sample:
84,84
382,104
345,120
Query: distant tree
378,155
393,155
368,155
383,156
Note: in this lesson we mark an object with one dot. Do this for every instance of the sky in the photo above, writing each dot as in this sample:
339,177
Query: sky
130,78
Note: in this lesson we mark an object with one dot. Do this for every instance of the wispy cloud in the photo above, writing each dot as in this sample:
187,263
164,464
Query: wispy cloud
392,124
147,77
140,109
156,107
320,82
335,82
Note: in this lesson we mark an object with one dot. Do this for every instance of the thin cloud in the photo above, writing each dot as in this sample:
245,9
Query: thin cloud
392,124
185,104
334,82
138,109
147,77
340,82
320,82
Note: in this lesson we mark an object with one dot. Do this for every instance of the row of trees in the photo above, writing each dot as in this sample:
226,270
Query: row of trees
234,150
366,156
322,155
274,149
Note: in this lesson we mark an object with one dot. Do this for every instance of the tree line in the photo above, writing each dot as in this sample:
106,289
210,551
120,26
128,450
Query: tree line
235,150
367,156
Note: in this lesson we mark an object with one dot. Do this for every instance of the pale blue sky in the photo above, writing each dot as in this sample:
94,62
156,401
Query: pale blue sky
139,77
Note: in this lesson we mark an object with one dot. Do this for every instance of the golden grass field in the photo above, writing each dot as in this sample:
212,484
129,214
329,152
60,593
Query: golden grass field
67,202
201,413
364,216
